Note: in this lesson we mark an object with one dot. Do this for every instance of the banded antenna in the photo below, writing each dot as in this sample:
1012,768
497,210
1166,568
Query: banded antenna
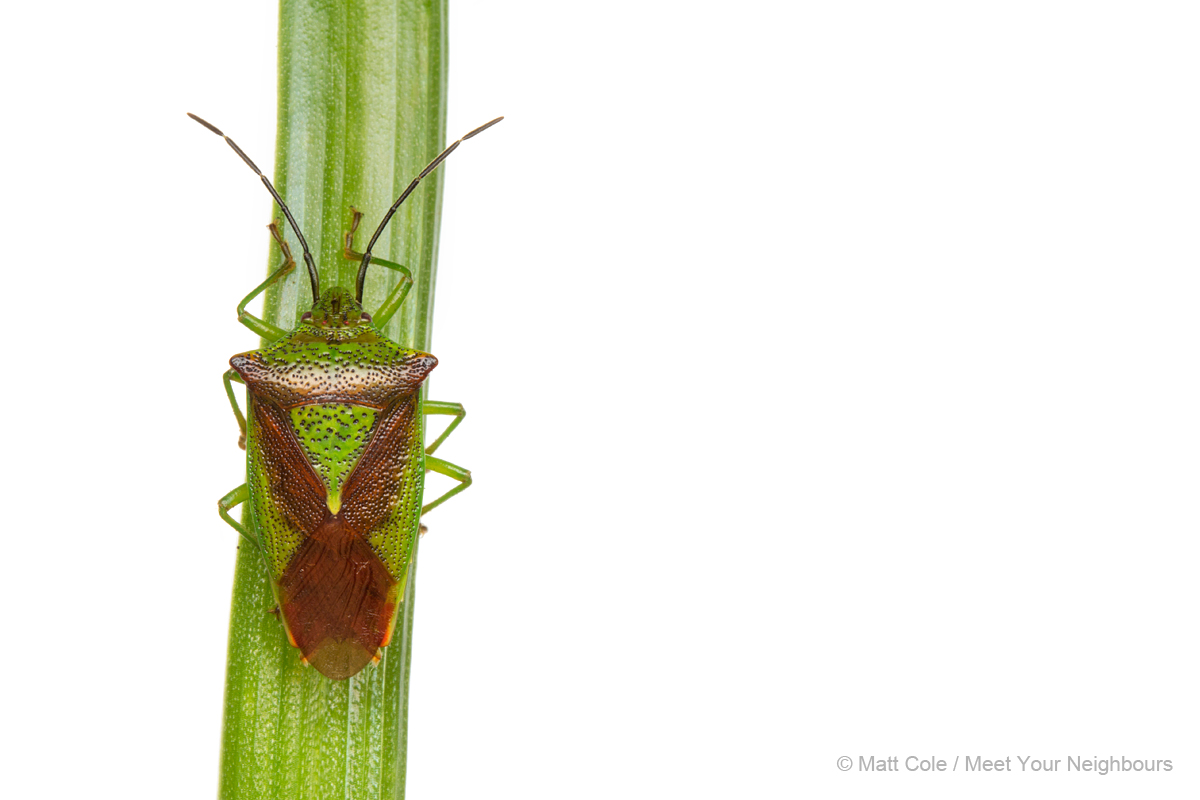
308,259
366,259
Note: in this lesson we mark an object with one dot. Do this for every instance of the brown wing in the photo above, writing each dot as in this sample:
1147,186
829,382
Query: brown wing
381,498
295,490
337,599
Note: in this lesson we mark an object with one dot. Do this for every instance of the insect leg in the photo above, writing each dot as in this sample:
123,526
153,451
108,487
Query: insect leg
235,498
262,327
463,476
229,377
395,298
438,407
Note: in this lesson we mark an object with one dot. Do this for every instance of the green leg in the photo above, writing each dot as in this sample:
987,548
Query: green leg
395,298
441,467
235,498
261,327
229,377
437,407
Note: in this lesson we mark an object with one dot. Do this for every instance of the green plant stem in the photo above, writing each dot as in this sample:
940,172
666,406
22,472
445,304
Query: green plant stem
362,98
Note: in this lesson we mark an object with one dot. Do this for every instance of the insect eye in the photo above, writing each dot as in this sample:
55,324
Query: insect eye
365,317
307,315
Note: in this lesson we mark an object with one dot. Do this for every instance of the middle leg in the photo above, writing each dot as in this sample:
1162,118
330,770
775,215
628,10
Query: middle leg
395,298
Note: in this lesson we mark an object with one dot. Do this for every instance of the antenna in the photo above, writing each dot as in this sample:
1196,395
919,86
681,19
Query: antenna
308,259
366,260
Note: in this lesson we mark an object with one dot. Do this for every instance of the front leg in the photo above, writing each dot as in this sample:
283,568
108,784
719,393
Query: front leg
395,298
262,327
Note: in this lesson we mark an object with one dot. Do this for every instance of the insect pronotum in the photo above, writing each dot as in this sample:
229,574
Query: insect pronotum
335,454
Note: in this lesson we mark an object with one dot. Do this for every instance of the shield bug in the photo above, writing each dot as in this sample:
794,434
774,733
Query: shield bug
335,453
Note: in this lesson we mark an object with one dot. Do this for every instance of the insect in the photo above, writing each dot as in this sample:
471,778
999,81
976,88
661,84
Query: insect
336,461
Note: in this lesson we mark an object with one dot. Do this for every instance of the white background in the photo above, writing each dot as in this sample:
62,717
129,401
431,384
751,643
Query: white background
832,381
